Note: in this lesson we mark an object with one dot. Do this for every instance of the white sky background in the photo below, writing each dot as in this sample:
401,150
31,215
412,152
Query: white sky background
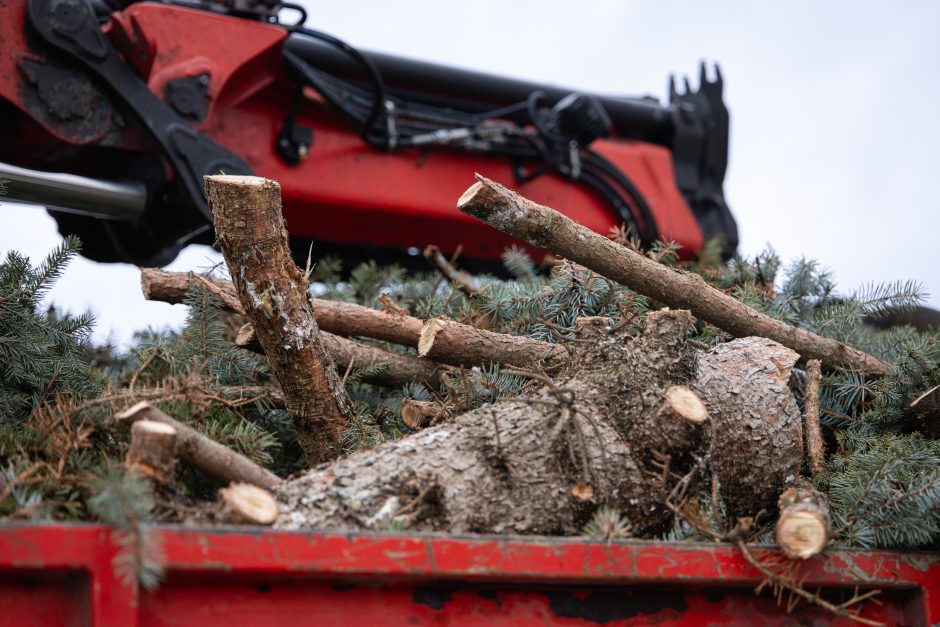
835,135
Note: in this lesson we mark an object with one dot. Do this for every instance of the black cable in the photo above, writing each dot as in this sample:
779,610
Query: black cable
378,85
592,159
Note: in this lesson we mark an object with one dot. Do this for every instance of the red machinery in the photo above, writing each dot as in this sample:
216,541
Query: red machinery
65,575
111,118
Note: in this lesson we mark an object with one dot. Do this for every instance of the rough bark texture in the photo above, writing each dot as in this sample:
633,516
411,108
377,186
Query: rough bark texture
926,408
348,319
546,228
201,452
243,503
815,451
152,450
804,527
453,342
250,231
756,443
397,371
526,466
419,414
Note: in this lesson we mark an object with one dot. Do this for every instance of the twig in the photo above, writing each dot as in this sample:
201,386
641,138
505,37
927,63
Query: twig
433,254
780,583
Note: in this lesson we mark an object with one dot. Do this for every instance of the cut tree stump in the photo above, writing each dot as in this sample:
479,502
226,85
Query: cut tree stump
250,231
201,452
804,526
243,503
546,228
419,414
545,463
152,450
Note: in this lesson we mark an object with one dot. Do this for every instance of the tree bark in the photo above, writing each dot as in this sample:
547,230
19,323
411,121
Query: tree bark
815,453
250,231
397,369
804,527
199,451
460,345
152,450
453,342
546,228
545,463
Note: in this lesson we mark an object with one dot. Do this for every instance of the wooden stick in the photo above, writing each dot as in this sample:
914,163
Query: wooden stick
804,527
812,434
151,451
449,341
462,345
419,414
438,260
201,452
399,369
243,503
250,231
546,228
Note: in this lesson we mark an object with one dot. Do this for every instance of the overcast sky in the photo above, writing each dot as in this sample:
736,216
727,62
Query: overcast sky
835,143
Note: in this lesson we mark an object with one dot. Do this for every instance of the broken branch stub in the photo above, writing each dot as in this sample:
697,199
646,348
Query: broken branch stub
250,231
546,228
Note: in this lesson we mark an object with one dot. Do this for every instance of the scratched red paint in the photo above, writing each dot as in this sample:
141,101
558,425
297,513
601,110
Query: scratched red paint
63,575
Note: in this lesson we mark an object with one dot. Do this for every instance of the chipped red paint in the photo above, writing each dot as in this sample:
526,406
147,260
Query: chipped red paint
64,575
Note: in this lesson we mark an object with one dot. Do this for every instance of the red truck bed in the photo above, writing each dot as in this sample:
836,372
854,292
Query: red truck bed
64,575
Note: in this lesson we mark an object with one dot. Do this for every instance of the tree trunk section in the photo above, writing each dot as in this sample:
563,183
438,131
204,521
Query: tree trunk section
804,527
419,414
203,453
546,228
246,504
250,231
545,463
152,450
452,342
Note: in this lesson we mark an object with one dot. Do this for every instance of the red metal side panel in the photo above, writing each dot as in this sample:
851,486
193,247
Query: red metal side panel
63,575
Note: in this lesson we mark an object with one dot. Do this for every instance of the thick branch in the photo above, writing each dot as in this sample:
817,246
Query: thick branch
546,228
201,452
396,369
812,433
243,503
461,345
250,231
453,342
419,414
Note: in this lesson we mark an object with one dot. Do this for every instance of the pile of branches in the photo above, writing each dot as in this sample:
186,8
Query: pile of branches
610,392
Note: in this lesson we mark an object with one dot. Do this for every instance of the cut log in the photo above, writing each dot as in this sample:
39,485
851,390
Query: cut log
250,231
419,414
804,527
510,466
453,342
214,459
546,228
396,369
152,450
815,451
243,503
